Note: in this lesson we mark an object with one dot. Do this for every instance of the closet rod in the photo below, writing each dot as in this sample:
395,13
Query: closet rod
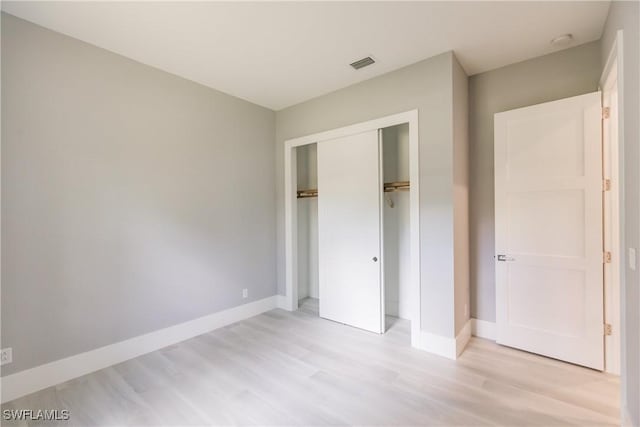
396,186
305,194
388,188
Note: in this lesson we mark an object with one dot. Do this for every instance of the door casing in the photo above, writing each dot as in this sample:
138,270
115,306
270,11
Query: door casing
611,86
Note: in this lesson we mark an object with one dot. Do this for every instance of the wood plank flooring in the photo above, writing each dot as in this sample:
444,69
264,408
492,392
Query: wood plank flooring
283,368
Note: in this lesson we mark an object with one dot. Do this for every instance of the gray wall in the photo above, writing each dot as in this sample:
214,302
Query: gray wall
427,86
625,16
559,75
132,199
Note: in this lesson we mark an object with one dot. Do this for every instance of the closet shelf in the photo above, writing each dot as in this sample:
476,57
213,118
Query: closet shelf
388,188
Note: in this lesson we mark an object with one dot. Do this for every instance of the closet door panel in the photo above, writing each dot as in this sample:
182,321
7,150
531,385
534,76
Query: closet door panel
349,242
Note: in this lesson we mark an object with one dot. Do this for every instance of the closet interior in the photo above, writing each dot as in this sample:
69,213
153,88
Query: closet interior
395,250
395,220
307,205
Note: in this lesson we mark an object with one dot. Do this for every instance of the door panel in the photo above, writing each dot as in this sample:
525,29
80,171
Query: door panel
349,239
548,210
528,234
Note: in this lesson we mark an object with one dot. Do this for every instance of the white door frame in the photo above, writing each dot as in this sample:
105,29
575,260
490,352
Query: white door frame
614,241
291,211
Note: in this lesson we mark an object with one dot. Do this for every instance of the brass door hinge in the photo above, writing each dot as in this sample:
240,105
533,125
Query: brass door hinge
607,257
606,184
606,111
608,329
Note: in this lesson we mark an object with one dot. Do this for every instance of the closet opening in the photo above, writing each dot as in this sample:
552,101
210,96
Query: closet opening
395,225
352,229
307,206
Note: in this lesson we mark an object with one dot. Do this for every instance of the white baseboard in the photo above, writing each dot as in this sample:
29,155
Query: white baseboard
448,347
437,344
283,302
483,329
47,375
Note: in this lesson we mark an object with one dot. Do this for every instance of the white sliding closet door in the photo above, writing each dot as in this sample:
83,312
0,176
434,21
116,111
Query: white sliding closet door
548,210
349,238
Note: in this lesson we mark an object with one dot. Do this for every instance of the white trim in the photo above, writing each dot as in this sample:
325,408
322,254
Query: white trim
414,224
50,374
462,339
437,344
290,182
614,272
290,228
451,348
381,202
282,302
611,224
612,58
380,123
483,329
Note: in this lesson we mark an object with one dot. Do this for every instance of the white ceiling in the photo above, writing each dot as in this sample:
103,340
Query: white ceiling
280,54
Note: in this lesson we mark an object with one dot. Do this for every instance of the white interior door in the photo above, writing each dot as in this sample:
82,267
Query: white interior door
349,238
548,212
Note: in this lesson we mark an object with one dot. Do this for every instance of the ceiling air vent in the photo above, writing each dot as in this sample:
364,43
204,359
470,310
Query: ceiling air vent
361,63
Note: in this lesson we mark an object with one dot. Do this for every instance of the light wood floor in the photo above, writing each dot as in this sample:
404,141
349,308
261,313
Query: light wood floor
284,368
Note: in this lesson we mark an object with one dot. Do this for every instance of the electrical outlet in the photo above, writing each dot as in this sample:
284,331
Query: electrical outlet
245,293
632,258
6,356
466,310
